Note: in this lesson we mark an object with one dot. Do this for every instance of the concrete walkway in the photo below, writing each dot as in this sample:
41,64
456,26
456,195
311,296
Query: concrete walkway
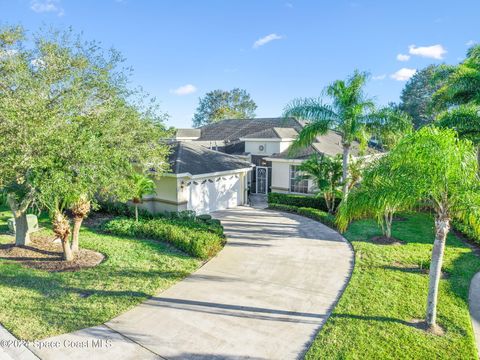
265,296
474,301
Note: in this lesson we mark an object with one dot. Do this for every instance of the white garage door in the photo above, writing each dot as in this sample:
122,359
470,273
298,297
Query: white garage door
207,195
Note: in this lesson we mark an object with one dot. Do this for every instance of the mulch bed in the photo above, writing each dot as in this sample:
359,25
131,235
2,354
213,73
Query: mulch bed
383,240
44,253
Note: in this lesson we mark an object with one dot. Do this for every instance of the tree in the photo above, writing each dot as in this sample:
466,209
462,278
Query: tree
218,105
326,172
416,97
348,114
389,125
433,167
459,98
80,131
373,198
142,185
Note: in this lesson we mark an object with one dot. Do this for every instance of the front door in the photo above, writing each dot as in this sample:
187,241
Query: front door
262,179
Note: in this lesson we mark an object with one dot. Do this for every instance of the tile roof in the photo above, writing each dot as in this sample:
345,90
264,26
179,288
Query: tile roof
233,129
273,133
189,157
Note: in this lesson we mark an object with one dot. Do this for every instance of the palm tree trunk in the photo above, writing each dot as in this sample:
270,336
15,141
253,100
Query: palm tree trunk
442,226
136,212
346,154
388,225
61,228
77,224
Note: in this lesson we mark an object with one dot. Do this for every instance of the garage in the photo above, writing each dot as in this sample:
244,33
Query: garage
200,179
216,193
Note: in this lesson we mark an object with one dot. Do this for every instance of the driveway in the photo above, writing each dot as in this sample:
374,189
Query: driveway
265,296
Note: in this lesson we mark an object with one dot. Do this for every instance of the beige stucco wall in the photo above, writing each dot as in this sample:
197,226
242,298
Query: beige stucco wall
281,177
270,147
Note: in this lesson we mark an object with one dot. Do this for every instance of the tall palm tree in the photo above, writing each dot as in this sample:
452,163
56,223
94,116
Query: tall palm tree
142,185
347,114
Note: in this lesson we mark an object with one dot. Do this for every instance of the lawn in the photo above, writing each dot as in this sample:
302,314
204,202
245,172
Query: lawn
35,304
373,317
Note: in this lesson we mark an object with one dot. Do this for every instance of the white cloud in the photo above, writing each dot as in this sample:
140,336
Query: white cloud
432,52
470,42
379,77
4,54
403,74
403,57
41,6
266,39
184,90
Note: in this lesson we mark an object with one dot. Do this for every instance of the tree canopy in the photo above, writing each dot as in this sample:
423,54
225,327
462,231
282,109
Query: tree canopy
71,128
218,105
416,97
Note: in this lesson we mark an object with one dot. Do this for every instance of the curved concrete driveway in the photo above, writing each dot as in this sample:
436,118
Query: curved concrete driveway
265,296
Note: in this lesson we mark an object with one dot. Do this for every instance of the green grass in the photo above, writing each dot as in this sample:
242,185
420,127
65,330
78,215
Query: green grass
372,316
35,304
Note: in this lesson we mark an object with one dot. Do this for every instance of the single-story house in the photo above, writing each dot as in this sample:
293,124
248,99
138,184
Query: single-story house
215,166
201,179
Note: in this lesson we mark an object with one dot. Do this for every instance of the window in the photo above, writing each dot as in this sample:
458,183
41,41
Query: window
297,185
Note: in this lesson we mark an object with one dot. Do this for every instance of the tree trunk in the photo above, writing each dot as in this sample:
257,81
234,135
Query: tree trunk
77,224
346,154
442,226
388,225
19,210
136,212
61,228
22,236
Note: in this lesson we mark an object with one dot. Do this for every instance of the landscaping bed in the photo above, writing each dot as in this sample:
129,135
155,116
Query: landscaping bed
379,312
35,304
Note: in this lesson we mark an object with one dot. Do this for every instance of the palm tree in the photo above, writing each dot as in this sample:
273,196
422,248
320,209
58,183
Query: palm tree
142,185
326,172
459,98
431,166
348,114
80,210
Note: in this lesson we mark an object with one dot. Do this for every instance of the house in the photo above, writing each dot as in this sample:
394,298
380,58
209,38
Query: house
265,142
201,179
214,167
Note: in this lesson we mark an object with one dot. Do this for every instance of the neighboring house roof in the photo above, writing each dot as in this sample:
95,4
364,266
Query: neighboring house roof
234,129
273,133
188,133
328,144
188,157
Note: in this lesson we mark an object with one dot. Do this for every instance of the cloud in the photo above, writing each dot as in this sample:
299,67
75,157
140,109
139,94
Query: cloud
184,90
5,54
379,77
470,42
289,5
432,52
403,74
266,39
403,57
42,6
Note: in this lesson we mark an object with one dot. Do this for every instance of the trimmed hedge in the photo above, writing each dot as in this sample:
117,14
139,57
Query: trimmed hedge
199,239
299,201
315,214
467,230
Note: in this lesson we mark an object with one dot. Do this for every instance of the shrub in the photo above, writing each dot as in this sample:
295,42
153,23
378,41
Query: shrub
315,214
467,230
299,201
195,238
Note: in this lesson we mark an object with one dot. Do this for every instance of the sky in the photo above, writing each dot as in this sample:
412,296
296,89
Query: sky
275,49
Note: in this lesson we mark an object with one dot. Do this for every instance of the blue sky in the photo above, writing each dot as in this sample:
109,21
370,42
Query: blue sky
275,49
